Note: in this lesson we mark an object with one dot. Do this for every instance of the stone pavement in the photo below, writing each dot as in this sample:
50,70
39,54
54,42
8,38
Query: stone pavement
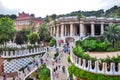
63,62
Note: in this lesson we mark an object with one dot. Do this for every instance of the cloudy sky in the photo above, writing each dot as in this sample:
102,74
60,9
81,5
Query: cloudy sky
48,7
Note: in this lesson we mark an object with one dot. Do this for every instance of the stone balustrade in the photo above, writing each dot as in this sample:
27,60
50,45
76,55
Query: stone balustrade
95,67
24,52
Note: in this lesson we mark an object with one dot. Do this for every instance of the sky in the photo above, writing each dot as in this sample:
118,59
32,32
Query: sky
48,7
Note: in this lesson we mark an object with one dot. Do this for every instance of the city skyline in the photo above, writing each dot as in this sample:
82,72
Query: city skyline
48,7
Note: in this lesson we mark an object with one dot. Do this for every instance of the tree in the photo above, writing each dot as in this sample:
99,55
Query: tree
33,37
7,29
112,33
21,36
79,16
118,13
44,33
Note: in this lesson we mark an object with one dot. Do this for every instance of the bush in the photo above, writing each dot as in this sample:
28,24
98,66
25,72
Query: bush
78,51
44,73
101,46
33,37
68,58
78,43
52,42
84,75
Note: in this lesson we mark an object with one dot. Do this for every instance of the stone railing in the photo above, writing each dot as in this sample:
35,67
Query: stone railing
24,52
95,67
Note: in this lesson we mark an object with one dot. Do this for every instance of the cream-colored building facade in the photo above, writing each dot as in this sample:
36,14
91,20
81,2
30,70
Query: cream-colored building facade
70,27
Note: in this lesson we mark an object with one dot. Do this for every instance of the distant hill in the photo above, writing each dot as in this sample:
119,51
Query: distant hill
100,13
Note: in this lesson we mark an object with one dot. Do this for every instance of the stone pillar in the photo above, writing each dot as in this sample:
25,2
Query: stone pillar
92,29
102,28
71,29
62,27
82,32
53,31
65,30
57,35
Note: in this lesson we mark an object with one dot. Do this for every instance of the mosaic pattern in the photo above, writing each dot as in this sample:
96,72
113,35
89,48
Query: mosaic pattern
15,64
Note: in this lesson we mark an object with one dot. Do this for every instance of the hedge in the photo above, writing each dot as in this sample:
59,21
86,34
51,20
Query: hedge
84,75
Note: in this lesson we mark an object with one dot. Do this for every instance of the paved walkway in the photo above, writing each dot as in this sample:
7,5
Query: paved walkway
63,62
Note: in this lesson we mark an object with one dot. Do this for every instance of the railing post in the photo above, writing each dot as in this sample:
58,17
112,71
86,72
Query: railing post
96,66
112,67
104,67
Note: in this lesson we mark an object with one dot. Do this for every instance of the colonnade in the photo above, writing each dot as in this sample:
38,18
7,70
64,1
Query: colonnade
77,29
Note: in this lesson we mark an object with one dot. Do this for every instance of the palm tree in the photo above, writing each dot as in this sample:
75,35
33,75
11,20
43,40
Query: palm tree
79,16
112,33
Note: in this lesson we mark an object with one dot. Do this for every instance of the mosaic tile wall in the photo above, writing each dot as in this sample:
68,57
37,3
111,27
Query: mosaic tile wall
15,64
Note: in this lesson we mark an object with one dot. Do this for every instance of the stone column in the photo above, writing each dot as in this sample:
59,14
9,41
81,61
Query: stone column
57,31
82,32
71,29
102,28
62,27
92,29
53,31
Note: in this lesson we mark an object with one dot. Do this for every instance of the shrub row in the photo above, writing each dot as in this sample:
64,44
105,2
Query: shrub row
84,75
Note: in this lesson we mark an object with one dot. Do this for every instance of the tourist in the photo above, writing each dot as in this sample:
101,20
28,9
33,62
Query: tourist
56,67
59,66
13,78
57,74
63,69
4,76
41,61
54,71
28,68
69,78
47,49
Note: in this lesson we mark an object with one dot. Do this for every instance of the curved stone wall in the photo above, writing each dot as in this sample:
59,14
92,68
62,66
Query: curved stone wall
88,66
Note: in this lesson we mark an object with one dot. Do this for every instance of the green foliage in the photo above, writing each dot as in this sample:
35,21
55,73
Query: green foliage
52,42
68,58
112,33
9,59
101,46
89,45
12,16
80,53
79,16
56,55
7,29
33,37
92,44
21,36
43,73
44,32
21,69
84,75
77,43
